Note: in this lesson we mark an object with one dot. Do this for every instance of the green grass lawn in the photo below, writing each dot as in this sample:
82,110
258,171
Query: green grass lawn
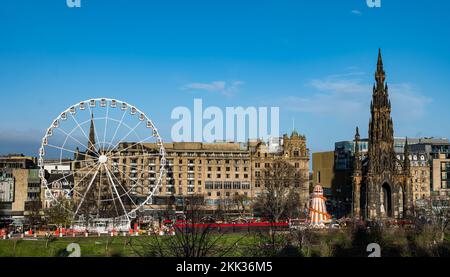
90,247
95,247
322,243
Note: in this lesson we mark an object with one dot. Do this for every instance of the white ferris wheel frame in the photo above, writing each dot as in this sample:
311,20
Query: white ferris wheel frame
107,103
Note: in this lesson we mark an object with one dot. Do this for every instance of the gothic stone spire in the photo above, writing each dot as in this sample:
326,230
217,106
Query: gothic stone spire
381,131
380,75
357,162
407,163
91,145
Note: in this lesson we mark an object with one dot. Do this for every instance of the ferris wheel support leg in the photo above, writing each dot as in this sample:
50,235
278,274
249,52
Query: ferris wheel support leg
87,190
118,195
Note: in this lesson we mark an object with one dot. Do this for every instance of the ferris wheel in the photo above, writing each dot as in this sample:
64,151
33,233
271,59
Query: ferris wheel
107,160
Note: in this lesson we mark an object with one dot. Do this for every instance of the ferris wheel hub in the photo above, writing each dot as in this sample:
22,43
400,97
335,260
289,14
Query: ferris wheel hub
103,159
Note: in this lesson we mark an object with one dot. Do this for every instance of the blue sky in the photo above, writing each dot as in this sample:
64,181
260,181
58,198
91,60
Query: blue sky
313,59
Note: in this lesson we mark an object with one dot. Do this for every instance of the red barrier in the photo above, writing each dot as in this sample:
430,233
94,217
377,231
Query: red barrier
231,225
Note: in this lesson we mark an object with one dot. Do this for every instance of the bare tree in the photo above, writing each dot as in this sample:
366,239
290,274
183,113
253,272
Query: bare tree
33,213
280,198
441,219
59,214
191,239
242,203
282,186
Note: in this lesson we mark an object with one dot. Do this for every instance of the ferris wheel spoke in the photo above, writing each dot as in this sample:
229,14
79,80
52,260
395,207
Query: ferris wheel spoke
95,129
112,141
50,185
132,181
126,136
67,162
128,127
73,138
87,190
117,129
142,168
70,162
99,192
82,130
106,127
131,146
137,170
113,199
67,137
117,193
125,191
65,176
147,155
82,179
94,160
70,151
65,149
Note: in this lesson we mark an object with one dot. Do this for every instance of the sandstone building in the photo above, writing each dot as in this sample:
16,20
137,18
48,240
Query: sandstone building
217,172
20,188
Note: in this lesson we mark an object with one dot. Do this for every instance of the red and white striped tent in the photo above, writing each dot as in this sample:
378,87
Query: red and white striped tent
318,215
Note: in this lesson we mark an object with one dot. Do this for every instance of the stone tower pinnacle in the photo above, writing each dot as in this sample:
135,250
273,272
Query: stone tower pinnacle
381,131
91,145
357,162
407,163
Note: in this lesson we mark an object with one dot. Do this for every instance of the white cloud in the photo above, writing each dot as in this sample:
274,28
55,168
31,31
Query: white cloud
223,87
348,96
334,95
408,101
338,85
324,104
214,86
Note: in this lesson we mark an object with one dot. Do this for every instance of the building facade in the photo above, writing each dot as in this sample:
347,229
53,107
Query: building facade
20,188
218,172
441,181
324,169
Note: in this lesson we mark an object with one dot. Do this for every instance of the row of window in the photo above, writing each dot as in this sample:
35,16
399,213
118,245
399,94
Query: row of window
189,168
226,202
153,168
189,162
227,185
